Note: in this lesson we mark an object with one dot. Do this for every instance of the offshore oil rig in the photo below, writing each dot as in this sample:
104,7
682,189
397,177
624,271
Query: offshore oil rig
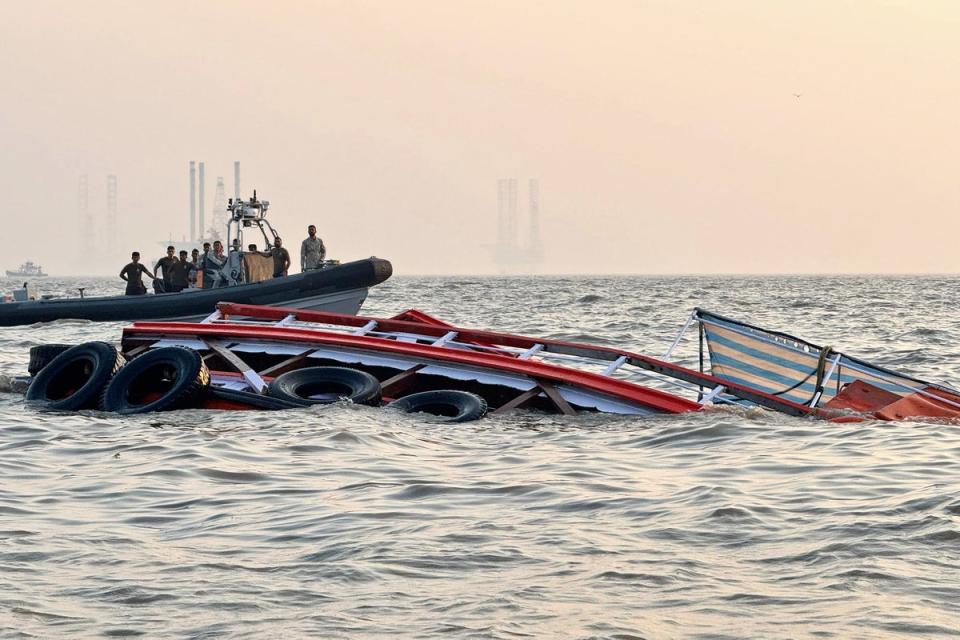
515,252
98,233
200,232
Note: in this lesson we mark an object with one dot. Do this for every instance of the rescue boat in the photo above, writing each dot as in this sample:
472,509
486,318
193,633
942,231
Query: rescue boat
341,288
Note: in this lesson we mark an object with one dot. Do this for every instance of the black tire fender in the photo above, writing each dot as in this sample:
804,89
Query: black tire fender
43,354
159,380
253,399
324,385
449,405
74,379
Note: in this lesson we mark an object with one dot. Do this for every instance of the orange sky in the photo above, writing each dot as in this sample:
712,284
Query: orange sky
665,135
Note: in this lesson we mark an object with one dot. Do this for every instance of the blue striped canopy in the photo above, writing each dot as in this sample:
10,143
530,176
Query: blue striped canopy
788,367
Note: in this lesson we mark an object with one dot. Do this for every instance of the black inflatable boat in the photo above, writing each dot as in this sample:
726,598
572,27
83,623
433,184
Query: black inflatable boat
339,289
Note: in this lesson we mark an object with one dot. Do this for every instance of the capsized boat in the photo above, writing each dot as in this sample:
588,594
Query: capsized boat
340,289
27,270
248,346
808,378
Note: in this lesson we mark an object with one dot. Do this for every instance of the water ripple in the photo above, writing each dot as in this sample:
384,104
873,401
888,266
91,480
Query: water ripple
349,522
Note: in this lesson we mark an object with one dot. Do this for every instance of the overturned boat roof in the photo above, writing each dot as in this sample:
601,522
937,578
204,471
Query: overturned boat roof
414,350
749,366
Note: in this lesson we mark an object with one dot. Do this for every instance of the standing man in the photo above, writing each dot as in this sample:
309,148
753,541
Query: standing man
206,283
133,274
281,258
234,269
166,264
213,267
180,274
194,268
312,251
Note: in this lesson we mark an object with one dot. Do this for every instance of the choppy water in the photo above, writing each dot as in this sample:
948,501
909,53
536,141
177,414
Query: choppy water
351,522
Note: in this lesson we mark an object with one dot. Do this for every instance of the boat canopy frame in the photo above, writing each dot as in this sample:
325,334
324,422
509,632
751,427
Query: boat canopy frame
550,369
245,214
416,328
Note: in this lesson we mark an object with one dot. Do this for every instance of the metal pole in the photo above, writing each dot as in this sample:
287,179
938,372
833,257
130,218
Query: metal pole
700,331
236,180
686,326
193,201
512,235
202,230
111,235
535,245
86,221
819,393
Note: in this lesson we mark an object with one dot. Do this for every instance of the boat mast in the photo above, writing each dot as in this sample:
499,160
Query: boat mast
248,214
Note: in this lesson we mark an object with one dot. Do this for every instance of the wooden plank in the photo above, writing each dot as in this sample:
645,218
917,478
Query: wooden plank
365,329
251,376
521,399
136,340
211,355
283,367
137,350
526,355
403,376
613,366
558,400
443,340
717,390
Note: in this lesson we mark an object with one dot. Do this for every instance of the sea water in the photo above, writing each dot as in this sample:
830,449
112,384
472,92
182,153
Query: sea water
352,522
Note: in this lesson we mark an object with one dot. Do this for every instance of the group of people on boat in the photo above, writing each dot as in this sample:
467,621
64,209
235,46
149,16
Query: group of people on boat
212,268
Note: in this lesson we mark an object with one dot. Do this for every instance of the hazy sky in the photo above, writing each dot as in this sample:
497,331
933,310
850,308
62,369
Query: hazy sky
666,135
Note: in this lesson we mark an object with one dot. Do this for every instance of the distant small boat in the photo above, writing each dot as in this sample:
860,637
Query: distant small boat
27,270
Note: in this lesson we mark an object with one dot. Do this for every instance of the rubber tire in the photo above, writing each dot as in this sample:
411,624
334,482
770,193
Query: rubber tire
348,384
449,405
253,399
94,362
190,378
43,354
